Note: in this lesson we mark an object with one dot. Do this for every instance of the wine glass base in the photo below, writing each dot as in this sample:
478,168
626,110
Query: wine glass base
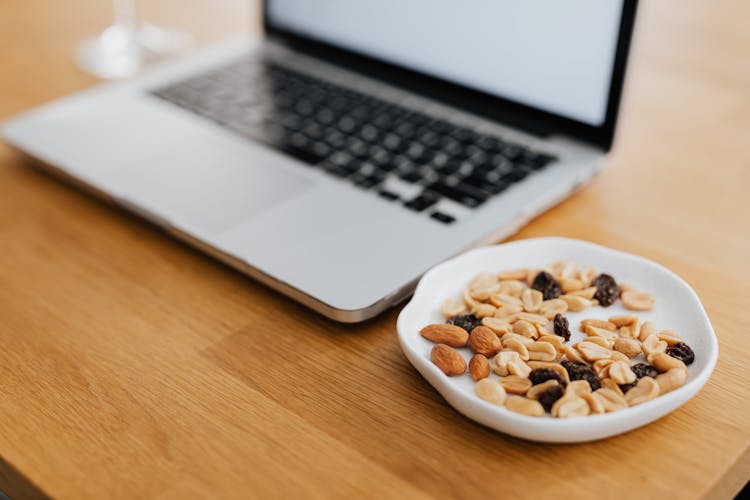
121,51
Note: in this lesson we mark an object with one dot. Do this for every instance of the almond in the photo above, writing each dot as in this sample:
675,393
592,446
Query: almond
479,367
448,360
482,340
443,333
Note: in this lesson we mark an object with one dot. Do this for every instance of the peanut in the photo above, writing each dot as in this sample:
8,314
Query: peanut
524,406
513,288
515,274
505,310
572,354
523,327
595,402
591,352
629,347
500,362
515,384
518,367
671,380
671,337
608,383
536,390
637,301
578,387
598,323
575,303
520,338
555,340
484,310
601,367
611,400
497,325
645,390
517,346
621,373
618,356
567,407
599,341
541,351
652,345
531,300
549,308
664,362
452,307
586,293
587,275
491,391
647,329
570,284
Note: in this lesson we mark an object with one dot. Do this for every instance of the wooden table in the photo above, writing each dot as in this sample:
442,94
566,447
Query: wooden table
133,366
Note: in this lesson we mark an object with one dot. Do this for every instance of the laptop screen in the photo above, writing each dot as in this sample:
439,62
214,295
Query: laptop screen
554,56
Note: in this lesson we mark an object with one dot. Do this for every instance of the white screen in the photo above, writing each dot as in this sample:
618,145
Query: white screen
549,54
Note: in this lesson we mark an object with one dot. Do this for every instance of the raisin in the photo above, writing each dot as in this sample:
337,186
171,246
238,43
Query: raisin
643,370
562,327
546,283
543,374
548,397
681,351
626,387
581,371
466,321
607,290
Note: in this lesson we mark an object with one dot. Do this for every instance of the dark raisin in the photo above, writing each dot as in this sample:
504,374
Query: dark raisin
543,374
643,370
548,397
607,290
546,283
681,351
466,321
626,387
581,371
562,327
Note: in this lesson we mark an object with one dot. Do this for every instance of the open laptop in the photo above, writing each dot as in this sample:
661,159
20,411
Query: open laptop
359,143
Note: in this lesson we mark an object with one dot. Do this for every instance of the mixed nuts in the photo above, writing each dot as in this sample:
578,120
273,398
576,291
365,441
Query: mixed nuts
514,323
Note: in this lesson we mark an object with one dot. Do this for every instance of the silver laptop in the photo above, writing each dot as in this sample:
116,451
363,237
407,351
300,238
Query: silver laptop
358,143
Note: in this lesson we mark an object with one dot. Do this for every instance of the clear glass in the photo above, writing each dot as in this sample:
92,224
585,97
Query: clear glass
127,45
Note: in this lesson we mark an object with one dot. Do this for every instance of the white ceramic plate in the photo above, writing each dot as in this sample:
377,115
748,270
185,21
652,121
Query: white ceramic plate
677,308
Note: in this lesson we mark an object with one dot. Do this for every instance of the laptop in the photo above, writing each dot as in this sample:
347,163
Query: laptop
358,143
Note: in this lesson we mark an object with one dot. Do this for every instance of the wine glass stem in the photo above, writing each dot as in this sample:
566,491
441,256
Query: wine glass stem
124,13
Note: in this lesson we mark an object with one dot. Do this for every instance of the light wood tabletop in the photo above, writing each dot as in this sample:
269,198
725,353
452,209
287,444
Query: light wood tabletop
132,366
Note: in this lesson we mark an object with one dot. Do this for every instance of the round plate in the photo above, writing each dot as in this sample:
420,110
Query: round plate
677,308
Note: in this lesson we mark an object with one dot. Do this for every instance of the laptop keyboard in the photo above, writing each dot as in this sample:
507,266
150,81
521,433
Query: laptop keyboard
358,137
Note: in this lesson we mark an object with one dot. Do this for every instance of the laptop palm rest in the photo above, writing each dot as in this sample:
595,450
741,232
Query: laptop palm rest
205,186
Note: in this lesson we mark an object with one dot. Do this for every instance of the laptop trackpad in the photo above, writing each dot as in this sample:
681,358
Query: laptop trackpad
207,185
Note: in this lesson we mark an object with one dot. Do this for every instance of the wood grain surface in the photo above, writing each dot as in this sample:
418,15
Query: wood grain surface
134,367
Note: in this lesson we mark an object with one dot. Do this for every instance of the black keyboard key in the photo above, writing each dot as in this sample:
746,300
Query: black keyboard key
365,181
412,176
339,170
425,200
490,183
463,193
388,195
444,218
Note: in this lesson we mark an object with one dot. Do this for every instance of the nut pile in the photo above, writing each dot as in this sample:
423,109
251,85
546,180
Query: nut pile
515,325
